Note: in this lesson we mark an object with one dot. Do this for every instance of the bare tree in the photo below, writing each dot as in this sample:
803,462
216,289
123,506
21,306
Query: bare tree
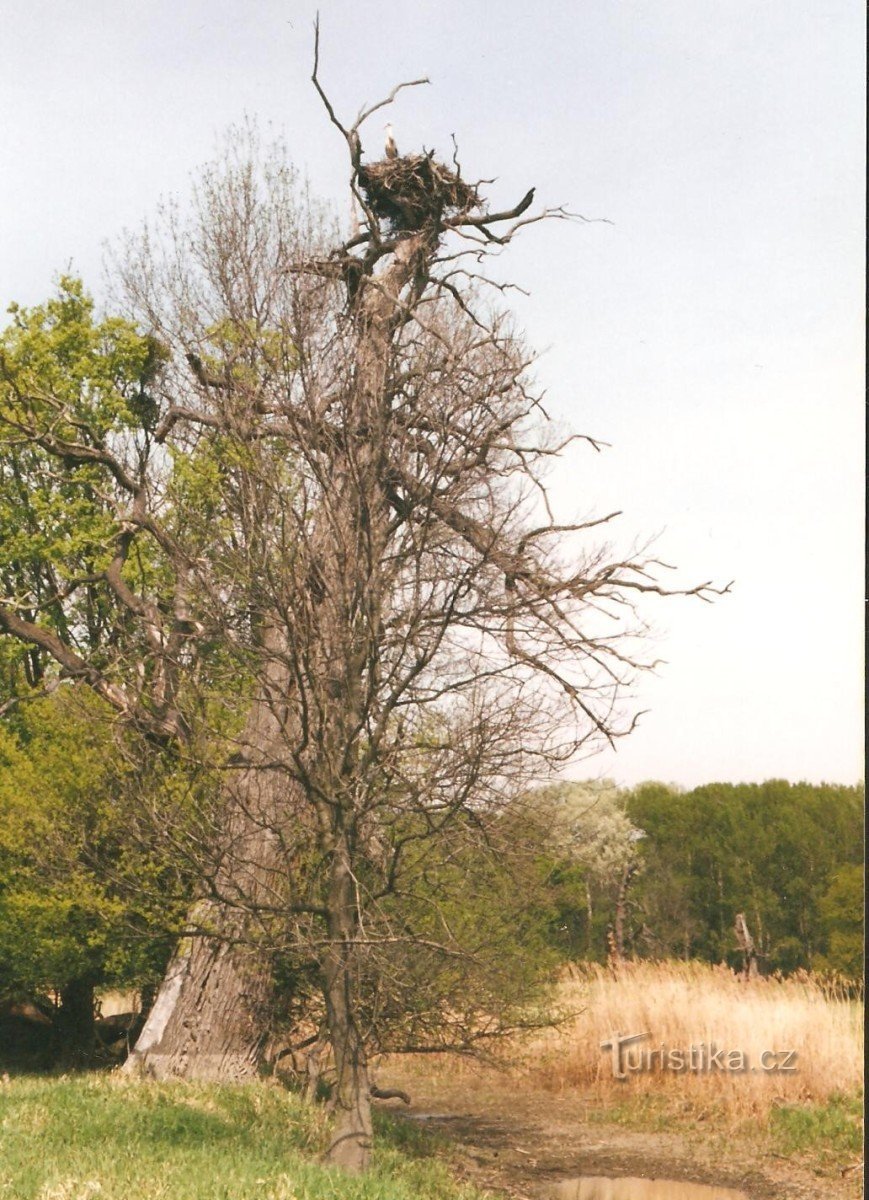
337,496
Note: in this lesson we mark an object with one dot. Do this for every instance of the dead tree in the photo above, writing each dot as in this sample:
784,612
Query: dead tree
747,947
617,941
342,486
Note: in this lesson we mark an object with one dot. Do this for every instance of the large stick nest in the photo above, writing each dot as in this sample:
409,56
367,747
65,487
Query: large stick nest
415,192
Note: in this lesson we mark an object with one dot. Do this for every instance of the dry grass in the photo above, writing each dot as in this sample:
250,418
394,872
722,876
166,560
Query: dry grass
681,1005
114,1002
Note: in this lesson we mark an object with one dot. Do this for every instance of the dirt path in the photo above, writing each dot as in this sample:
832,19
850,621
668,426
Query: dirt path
520,1144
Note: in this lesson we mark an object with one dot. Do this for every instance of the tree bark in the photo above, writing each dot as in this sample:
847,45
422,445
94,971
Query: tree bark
747,946
618,943
350,1146
209,1020
377,309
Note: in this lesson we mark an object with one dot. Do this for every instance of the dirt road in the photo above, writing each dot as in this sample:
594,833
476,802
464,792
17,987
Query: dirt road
520,1143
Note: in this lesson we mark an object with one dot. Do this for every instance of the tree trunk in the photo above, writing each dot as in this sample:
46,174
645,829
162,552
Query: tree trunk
350,1146
365,517
618,948
746,945
75,1021
209,1020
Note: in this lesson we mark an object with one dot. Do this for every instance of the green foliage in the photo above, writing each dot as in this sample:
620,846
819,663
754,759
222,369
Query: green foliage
85,888
842,909
768,850
66,377
79,402
67,862
588,843
788,856
457,955
832,1130
828,1134
490,905
56,356
80,896
192,1142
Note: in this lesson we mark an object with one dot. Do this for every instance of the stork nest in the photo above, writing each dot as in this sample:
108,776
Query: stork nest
415,192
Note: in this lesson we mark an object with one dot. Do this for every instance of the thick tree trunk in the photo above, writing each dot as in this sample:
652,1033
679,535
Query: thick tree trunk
365,517
209,1020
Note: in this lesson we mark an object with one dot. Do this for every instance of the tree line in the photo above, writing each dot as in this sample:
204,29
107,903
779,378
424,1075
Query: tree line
90,899
678,866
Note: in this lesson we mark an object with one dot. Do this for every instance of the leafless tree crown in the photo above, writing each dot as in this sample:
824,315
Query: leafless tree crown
333,520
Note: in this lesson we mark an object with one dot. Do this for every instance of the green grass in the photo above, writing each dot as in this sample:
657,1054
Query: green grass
91,1137
830,1132
827,1133
649,1111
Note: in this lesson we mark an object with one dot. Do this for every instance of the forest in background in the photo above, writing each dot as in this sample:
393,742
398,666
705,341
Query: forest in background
788,856
653,872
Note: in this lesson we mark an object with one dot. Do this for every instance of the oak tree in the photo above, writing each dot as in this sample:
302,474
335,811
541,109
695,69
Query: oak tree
336,587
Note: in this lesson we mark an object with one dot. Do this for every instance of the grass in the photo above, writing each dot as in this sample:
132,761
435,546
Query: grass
92,1137
109,1138
811,1114
681,1005
832,1132
829,1133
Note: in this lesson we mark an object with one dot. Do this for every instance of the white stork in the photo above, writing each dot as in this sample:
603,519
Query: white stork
391,148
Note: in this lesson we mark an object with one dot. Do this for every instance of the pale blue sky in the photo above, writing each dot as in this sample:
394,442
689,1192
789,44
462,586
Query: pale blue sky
712,333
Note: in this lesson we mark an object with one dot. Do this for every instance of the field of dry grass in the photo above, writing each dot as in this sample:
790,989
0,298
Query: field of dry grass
794,1133
685,1005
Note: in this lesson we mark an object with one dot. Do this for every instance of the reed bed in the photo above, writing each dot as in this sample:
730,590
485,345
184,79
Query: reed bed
810,1030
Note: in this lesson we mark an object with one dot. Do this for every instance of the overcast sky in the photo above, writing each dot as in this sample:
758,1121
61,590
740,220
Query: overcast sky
712,332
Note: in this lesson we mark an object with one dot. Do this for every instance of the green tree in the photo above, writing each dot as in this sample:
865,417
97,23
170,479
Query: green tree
767,850
83,903
591,843
842,913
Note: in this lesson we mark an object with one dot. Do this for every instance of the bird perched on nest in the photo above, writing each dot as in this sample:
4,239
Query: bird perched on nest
391,148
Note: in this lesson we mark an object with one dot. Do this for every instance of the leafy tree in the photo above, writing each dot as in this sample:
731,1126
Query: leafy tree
82,903
768,850
842,909
592,843
63,371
